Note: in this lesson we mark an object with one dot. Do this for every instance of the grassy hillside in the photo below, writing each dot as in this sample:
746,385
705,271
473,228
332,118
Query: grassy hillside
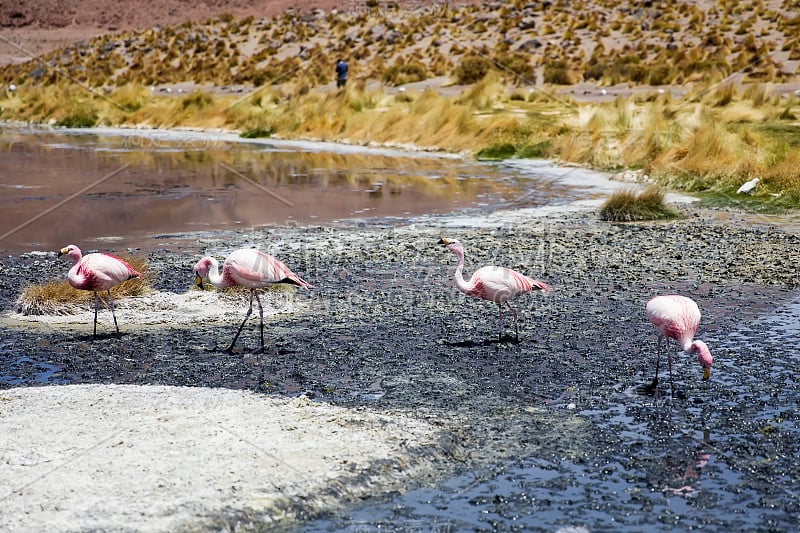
559,42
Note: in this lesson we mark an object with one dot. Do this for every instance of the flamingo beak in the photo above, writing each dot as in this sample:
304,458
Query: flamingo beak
444,241
706,373
62,252
198,281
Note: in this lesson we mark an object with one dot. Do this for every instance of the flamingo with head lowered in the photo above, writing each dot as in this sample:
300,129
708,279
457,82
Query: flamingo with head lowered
493,283
677,317
247,268
97,272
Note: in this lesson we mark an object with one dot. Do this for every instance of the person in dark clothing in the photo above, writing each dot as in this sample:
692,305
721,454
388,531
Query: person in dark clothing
341,73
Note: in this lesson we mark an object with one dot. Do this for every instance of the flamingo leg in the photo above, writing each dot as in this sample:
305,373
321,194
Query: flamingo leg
671,382
94,332
261,319
500,321
249,311
111,303
516,322
654,384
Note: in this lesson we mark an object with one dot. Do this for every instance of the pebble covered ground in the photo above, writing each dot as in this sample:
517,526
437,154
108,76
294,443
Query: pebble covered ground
386,330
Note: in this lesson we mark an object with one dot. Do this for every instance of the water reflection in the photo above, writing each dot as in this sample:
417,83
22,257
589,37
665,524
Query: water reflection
136,187
682,468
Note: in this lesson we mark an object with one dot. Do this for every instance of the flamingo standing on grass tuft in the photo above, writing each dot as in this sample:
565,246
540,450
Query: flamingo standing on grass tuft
248,268
677,317
97,272
493,283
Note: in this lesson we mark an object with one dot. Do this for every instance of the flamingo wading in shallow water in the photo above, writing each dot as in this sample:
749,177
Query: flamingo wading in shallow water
493,283
97,272
677,317
248,268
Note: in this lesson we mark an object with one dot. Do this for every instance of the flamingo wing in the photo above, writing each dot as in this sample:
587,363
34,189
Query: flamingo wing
500,284
676,317
98,272
254,269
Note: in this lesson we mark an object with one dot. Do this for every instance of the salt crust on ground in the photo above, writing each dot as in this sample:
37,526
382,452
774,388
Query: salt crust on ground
169,308
157,458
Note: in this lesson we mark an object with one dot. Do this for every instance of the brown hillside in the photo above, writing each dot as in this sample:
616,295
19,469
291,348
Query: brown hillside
122,14
34,27
108,43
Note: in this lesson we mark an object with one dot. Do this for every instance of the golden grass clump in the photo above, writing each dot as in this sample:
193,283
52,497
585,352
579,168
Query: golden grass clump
785,175
60,298
483,94
131,97
577,147
710,150
724,94
628,205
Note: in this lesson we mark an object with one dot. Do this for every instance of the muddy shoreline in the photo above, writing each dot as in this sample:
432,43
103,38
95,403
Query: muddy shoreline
386,331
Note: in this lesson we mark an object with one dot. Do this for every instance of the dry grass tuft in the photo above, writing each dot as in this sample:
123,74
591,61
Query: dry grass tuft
60,298
483,94
785,175
710,151
629,205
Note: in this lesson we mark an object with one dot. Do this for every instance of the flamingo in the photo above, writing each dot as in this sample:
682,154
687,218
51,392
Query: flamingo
97,272
493,283
677,317
248,268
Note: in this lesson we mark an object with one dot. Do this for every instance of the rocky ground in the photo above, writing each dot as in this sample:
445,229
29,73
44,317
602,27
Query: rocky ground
42,26
385,331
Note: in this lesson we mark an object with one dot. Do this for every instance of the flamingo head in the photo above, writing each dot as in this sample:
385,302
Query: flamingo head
453,245
71,251
703,357
201,270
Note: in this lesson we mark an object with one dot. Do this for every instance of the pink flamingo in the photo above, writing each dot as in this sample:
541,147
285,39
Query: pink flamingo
248,268
677,317
97,272
493,283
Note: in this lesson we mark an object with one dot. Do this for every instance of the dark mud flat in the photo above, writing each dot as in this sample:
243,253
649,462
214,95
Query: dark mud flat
551,432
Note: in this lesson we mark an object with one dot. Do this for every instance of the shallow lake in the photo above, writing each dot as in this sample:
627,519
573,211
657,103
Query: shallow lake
114,188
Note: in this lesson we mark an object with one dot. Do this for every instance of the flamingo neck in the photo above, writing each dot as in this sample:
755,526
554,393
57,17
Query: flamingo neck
214,277
458,276
703,353
687,346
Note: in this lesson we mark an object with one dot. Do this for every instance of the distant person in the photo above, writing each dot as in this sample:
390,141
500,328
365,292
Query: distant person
341,73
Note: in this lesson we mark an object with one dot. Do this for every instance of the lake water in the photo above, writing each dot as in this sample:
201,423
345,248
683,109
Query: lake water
116,188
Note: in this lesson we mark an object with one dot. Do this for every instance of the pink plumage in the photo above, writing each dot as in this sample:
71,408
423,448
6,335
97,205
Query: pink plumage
677,317
251,269
97,272
493,283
